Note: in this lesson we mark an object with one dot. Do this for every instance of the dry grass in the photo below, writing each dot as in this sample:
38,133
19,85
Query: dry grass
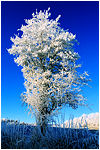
21,136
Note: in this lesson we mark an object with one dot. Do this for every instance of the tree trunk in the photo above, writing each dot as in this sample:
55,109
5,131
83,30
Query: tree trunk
43,127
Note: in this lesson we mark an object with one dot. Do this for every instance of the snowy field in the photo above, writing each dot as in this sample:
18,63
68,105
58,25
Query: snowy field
16,135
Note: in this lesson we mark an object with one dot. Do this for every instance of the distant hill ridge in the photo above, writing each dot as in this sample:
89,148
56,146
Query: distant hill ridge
91,121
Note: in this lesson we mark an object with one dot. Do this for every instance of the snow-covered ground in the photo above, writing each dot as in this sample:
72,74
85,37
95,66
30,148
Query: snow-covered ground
91,121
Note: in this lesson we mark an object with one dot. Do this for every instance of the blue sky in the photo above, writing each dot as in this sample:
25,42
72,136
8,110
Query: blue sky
81,18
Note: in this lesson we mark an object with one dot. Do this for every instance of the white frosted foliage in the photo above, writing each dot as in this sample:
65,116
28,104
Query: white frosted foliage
45,52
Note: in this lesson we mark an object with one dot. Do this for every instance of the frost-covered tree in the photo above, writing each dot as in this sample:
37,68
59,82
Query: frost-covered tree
46,53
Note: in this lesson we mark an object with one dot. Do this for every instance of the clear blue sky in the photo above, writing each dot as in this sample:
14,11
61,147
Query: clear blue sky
81,18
